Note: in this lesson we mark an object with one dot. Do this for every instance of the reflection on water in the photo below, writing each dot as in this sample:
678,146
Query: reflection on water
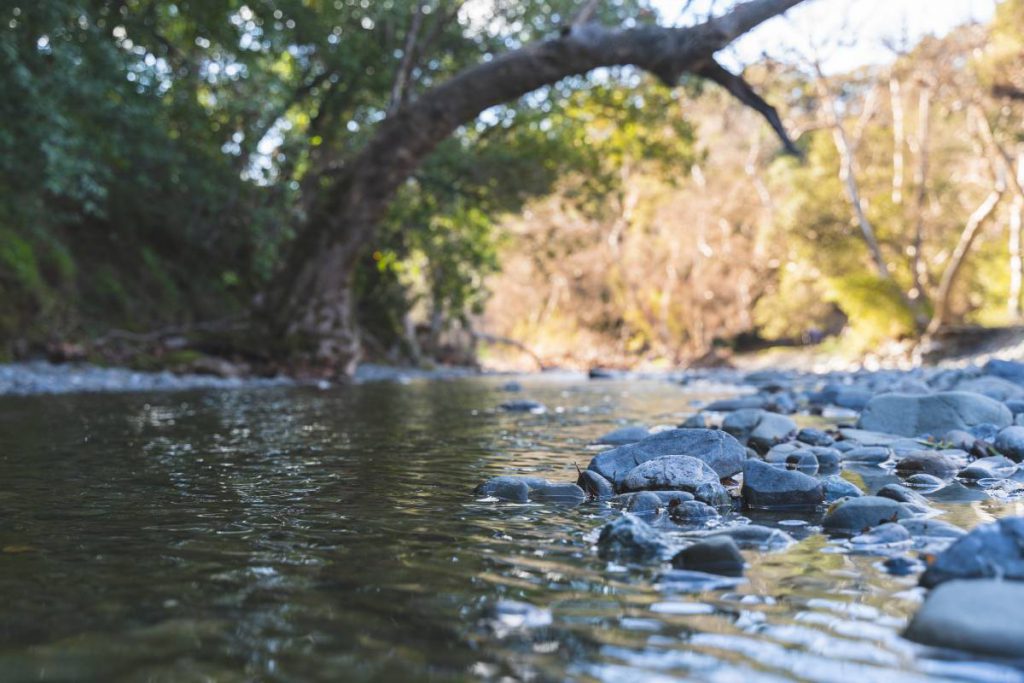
293,534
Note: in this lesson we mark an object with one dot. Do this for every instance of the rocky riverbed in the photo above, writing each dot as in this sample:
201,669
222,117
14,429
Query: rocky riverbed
897,444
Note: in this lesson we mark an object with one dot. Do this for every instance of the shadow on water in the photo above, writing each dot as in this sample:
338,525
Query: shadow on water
293,534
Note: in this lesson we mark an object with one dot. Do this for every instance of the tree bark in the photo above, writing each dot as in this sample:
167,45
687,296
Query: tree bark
310,305
974,223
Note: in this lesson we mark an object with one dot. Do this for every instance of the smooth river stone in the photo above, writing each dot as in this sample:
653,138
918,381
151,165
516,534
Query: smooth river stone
719,450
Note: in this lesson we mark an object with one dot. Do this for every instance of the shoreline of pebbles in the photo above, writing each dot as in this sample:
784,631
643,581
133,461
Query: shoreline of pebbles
949,435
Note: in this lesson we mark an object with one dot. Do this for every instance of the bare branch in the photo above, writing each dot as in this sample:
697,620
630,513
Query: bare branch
586,13
745,93
408,54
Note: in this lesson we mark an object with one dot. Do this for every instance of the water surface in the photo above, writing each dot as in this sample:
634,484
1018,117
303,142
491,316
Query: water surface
294,534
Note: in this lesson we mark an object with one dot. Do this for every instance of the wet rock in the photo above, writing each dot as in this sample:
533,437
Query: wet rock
836,487
713,494
913,415
883,535
715,555
856,515
981,616
643,503
985,432
511,488
669,473
768,487
594,485
912,499
924,481
936,463
957,493
558,493
512,387
994,467
868,455
717,449
989,550
864,437
814,437
931,528
623,436
1010,442
828,458
650,501
524,406
1016,406
692,512
517,491
843,396
758,428
755,536
630,539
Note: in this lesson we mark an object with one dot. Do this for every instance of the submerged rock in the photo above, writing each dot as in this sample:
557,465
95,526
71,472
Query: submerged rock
915,414
931,528
669,473
714,555
524,406
755,536
630,539
718,450
989,551
883,535
524,489
856,515
981,616
768,487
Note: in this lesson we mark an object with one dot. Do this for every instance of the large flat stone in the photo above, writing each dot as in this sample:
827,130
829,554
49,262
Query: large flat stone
720,451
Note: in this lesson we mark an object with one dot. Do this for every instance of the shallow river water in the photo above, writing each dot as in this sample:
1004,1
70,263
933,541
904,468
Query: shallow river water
296,534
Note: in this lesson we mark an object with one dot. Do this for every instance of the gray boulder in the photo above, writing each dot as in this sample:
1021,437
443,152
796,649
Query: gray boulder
630,539
982,616
669,473
901,494
719,450
856,515
915,414
715,555
989,551
768,487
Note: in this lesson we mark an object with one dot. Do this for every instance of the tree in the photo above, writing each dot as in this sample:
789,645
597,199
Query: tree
310,307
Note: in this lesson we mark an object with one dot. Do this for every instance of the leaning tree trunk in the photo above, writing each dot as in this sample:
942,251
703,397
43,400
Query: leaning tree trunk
311,306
